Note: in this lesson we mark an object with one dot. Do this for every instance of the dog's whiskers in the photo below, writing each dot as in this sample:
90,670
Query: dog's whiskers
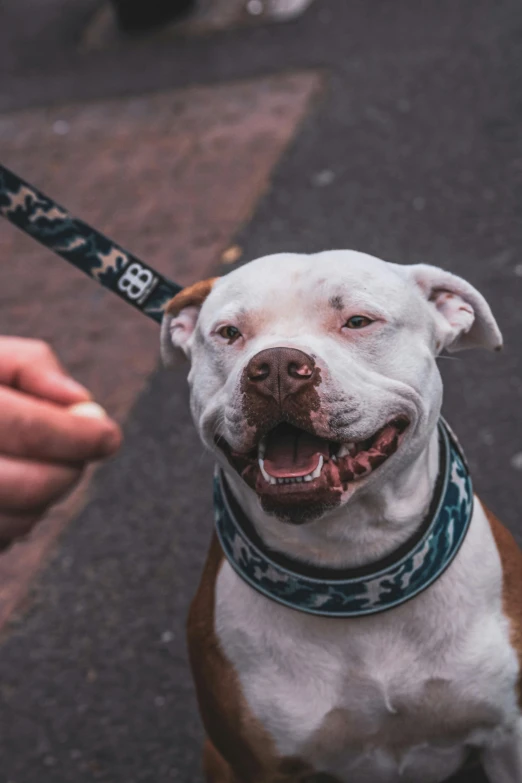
217,425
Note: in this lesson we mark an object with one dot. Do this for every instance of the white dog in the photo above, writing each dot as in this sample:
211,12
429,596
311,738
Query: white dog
359,618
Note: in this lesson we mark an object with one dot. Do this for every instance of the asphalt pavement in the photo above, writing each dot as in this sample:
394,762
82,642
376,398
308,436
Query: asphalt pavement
412,152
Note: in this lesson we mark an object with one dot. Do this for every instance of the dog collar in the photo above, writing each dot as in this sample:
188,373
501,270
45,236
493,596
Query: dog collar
361,591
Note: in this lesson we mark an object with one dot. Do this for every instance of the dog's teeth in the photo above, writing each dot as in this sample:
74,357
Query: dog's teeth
266,477
334,458
346,448
317,471
261,448
295,479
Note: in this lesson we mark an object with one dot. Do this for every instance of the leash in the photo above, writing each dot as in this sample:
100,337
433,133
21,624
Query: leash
83,246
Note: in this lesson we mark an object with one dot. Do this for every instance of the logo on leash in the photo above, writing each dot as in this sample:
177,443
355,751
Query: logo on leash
137,282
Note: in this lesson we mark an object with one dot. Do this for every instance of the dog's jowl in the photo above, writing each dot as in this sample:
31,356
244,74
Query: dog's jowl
359,618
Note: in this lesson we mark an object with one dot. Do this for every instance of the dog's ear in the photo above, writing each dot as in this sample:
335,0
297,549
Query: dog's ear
462,316
179,321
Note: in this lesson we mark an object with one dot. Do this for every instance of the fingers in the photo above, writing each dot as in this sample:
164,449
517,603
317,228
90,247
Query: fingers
32,428
49,430
32,367
28,487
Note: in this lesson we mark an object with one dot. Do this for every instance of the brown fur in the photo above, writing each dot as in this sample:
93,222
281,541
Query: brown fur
262,412
215,768
192,296
236,739
238,750
511,558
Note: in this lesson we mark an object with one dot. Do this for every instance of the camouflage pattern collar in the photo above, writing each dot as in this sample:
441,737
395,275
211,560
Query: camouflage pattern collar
360,591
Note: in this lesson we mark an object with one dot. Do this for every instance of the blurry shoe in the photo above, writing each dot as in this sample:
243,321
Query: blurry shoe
136,16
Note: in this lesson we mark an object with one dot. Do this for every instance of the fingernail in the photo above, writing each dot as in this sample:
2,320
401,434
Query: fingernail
90,409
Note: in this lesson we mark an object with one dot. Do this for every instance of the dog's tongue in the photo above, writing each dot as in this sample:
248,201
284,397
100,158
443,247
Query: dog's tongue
291,452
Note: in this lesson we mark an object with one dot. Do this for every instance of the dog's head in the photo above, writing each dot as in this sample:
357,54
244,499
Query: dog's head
313,376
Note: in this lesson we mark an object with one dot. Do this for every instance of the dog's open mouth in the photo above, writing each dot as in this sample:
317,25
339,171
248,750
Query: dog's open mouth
292,461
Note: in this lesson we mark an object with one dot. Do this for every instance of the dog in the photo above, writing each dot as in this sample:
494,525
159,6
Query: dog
359,618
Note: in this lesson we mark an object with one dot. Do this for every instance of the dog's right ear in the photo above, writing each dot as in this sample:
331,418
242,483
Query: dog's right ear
179,321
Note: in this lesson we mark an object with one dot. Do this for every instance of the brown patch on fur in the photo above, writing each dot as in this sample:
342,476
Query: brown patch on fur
293,509
215,768
191,296
336,302
511,558
264,413
237,740
294,770
238,749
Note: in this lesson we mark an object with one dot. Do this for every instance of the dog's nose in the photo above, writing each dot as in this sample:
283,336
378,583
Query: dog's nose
279,372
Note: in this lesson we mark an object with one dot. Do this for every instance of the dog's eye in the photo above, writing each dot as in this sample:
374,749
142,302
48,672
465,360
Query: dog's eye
229,333
358,322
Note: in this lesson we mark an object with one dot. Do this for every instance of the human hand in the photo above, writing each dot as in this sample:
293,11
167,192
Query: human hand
49,431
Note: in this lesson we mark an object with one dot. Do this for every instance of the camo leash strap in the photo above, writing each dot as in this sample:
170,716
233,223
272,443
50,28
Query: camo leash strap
84,247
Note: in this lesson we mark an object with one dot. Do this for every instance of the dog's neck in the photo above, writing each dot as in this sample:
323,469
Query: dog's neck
370,526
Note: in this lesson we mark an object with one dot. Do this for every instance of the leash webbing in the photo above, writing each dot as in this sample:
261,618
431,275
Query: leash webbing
83,246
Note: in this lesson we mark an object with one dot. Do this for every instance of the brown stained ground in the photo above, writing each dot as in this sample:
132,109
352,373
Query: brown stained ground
169,176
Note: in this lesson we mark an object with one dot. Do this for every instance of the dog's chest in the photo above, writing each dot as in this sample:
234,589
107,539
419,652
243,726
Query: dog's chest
373,699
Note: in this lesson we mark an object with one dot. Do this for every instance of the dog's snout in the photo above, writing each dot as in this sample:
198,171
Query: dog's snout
279,372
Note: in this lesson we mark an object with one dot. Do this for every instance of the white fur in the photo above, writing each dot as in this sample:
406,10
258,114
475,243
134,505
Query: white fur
384,684
368,376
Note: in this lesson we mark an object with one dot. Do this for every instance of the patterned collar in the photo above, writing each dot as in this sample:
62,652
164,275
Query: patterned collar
358,591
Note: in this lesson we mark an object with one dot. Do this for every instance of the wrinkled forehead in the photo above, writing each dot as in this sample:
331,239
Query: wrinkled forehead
289,285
